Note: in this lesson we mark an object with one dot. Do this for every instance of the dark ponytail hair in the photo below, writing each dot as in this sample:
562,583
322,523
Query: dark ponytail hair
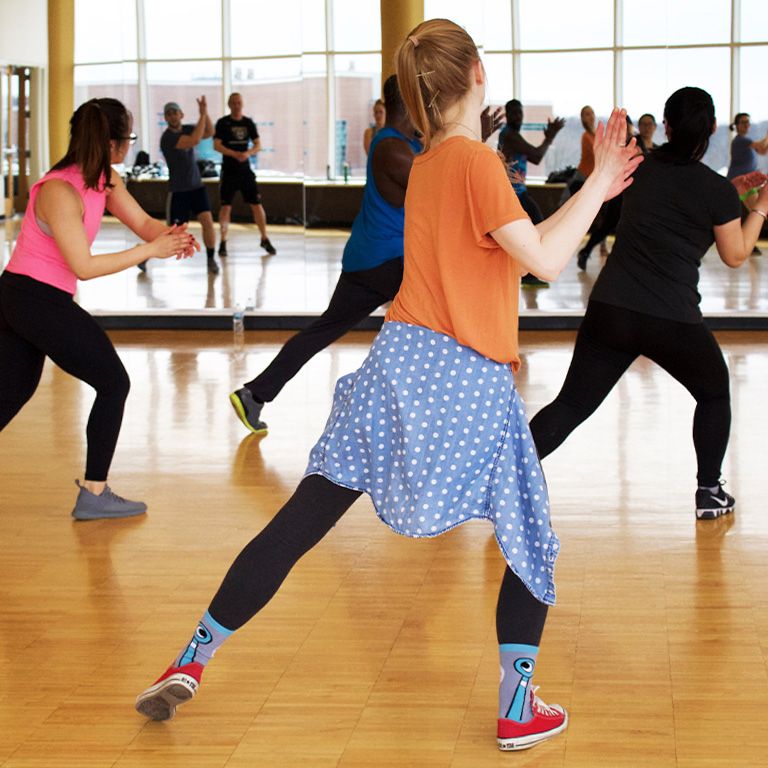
91,128
736,119
690,116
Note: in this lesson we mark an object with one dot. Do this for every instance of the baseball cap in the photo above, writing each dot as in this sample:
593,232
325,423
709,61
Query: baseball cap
171,105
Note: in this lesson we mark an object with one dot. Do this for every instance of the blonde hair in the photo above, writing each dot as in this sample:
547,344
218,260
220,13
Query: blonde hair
433,71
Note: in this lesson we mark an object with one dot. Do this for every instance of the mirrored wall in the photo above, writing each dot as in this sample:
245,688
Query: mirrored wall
310,71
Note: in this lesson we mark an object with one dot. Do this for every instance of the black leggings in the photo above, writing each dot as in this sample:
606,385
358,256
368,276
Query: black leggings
315,507
609,340
356,295
38,320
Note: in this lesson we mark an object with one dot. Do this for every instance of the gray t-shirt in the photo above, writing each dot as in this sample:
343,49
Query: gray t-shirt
743,157
182,163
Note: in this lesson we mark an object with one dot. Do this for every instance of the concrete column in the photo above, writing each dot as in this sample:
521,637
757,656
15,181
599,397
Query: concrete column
61,74
398,18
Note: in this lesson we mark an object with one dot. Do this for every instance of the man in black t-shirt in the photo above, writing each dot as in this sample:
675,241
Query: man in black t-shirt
237,139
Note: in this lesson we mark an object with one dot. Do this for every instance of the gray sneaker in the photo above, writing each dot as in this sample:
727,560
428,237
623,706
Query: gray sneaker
248,410
106,505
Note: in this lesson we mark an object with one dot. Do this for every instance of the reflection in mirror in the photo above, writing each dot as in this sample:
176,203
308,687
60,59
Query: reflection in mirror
309,85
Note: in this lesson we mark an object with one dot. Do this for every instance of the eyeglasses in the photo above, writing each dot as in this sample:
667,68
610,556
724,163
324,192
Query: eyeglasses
130,139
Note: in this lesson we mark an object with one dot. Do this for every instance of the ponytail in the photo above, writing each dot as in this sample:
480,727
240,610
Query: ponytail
92,127
433,68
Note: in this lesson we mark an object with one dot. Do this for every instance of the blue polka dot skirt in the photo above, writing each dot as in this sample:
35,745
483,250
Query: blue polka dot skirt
436,435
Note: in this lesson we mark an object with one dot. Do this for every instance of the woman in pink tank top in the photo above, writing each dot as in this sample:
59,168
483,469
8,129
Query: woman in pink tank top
38,316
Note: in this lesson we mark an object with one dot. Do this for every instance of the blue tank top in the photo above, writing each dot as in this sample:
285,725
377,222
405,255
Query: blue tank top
377,231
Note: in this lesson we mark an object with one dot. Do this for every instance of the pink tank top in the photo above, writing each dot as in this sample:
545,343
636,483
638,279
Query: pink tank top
36,254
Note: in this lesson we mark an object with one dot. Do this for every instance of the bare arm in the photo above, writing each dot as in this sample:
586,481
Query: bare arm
121,204
514,142
255,148
546,250
761,147
735,240
208,130
392,161
367,136
202,130
59,206
218,145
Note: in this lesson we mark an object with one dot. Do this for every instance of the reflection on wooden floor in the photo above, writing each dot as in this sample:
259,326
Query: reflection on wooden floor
379,651
301,278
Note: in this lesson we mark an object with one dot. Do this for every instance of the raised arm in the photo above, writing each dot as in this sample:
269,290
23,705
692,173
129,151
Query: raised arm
514,142
547,249
202,130
761,146
59,207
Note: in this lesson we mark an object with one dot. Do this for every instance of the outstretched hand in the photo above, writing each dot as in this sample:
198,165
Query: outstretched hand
748,185
490,123
202,105
615,158
553,128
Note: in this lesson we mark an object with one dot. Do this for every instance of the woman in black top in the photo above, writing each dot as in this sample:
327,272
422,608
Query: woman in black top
646,302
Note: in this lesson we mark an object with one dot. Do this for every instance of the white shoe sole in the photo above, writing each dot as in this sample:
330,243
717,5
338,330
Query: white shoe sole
159,701
526,742
712,514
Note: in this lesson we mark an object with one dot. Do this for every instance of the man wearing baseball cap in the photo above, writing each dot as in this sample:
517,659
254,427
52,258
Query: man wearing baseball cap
188,194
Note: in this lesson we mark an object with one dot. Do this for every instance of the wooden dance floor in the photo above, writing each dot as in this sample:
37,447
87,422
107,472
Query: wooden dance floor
379,651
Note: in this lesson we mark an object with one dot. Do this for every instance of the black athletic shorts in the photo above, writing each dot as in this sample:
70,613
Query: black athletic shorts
186,205
243,181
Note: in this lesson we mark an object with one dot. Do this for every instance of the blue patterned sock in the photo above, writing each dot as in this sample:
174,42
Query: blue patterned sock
517,665
208,636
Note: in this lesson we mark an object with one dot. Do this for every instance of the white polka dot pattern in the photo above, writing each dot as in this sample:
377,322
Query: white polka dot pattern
436,435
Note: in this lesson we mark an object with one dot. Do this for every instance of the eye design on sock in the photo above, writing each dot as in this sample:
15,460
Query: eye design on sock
524,666
202,637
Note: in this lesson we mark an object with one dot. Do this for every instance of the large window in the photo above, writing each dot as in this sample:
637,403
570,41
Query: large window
559,55
310,70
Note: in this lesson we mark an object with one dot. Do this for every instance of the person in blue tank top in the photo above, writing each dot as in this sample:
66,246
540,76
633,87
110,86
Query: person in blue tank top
372,265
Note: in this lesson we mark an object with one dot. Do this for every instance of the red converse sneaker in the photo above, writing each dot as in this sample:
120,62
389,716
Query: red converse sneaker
548,721
177,685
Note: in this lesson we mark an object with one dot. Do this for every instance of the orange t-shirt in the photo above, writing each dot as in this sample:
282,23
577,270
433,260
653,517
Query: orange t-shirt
457,279
587,162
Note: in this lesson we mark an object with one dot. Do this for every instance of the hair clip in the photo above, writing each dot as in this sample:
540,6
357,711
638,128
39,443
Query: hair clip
426,74
434,99
414,40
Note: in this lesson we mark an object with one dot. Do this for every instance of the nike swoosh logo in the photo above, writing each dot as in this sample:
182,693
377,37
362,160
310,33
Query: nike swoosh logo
721,502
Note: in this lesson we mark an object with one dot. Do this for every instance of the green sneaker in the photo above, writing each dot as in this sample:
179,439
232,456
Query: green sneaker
248,410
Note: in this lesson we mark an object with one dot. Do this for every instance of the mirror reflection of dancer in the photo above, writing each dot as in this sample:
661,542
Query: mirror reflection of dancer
646,302
379,119
237,139
189,196
38,317
371,268
431,426
517,152
608,218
